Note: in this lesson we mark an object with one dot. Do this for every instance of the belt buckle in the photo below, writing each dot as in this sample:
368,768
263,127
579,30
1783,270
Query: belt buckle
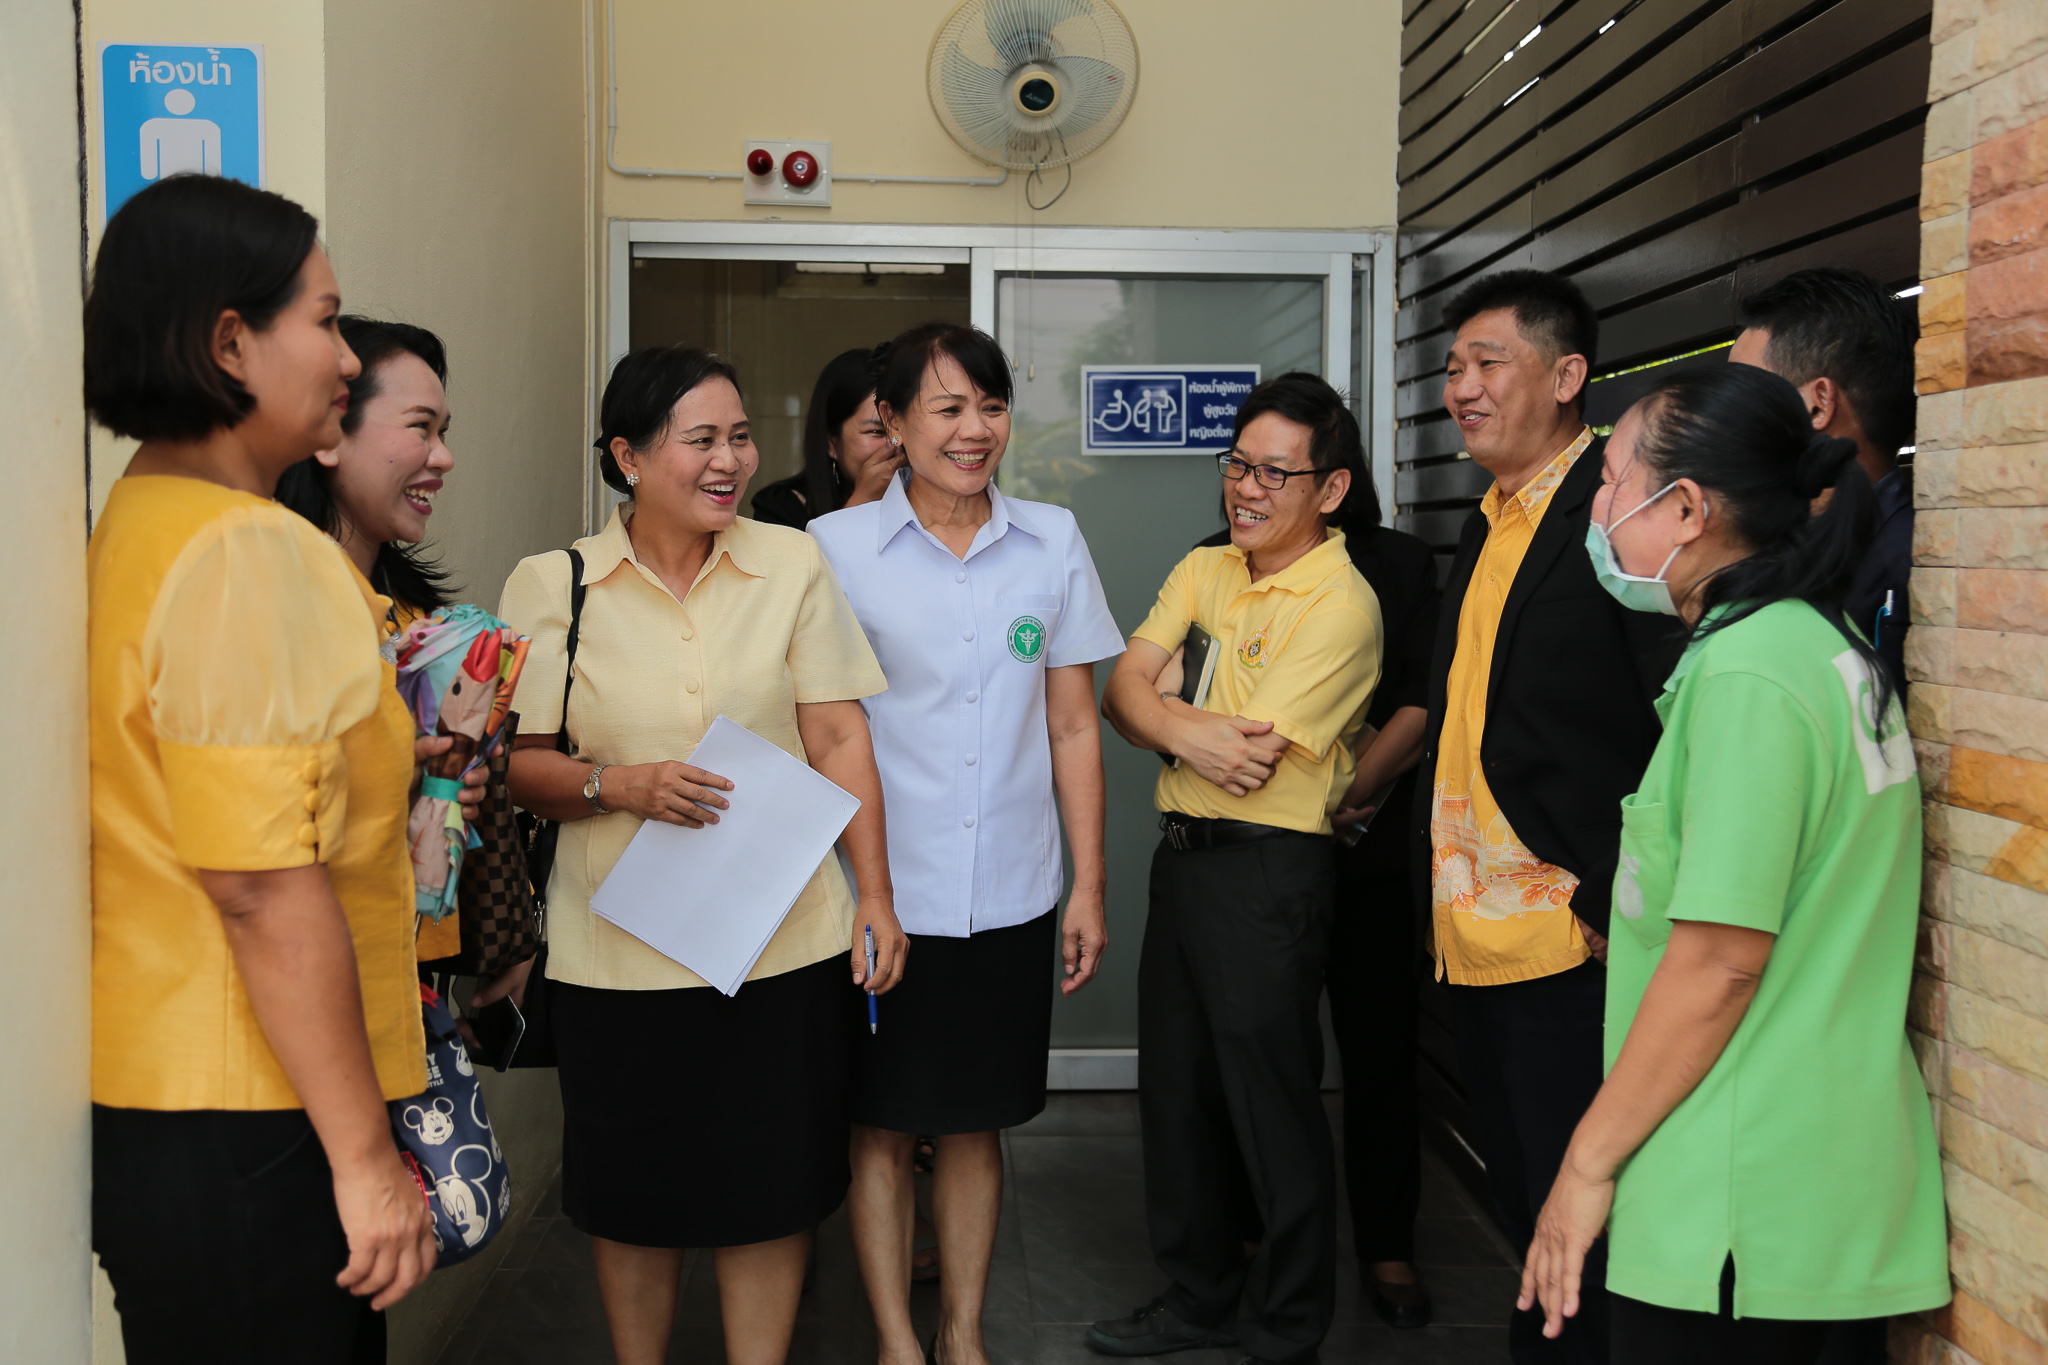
1176,834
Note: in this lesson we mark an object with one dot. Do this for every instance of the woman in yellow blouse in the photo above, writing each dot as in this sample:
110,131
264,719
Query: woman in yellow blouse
254,1001
375,491
692,1119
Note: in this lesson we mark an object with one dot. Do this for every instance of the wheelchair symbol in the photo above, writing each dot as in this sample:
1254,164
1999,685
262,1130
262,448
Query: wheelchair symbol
1155,412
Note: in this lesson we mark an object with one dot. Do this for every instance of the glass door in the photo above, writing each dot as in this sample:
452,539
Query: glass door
780,321
782,297
1140,513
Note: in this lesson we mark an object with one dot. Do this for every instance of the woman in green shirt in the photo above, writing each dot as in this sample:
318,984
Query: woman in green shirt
1762,1153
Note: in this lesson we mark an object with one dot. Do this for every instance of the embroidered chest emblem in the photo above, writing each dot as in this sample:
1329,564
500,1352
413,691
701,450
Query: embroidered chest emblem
1257,647
1027,639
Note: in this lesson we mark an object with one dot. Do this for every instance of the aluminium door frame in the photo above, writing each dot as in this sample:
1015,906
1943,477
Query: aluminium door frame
1356,269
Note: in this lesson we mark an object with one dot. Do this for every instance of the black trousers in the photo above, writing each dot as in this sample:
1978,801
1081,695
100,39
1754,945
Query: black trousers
220,1235
1649,1334
1374,989
1530,1054
1230,1060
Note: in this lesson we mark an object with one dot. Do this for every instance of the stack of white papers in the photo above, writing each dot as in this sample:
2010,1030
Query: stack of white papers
711,898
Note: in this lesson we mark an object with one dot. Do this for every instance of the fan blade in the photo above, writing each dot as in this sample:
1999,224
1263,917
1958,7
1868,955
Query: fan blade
1093,89
975,100
1021,30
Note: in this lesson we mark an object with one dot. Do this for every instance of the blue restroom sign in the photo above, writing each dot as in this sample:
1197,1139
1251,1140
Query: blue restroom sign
166,110
1162,409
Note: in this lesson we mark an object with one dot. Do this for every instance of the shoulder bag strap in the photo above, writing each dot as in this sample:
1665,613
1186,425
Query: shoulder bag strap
575,630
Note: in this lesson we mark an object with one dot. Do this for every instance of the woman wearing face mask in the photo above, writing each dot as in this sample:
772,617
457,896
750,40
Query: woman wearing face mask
1777,1164
848,456
988,617
254,997
693,1119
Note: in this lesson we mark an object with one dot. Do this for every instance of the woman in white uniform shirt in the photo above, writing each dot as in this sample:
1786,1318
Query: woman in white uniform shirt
988,618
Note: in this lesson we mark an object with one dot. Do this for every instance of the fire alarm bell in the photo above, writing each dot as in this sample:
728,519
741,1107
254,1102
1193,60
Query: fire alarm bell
800,169
788,173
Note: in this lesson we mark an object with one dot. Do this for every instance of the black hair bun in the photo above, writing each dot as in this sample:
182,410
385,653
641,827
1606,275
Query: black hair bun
1822,463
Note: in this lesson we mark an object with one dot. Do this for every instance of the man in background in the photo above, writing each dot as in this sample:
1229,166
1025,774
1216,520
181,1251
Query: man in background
1540,722
1848,345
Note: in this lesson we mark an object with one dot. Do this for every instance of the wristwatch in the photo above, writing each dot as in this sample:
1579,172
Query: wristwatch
593,789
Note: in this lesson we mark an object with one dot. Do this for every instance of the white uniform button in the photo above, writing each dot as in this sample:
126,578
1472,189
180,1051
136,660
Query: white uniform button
690,686
960,577
970,760
973,697
969,822
967,635
689,634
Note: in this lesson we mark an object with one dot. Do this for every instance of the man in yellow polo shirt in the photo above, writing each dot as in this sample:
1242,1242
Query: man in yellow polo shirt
1243,886
1540,722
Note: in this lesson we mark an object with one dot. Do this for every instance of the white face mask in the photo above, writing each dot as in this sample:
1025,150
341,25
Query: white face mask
1633,590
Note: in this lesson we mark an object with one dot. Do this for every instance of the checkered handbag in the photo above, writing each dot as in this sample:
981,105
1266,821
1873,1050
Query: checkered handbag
494,899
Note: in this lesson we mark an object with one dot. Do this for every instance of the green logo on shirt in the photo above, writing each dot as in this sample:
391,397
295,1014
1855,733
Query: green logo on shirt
1027,639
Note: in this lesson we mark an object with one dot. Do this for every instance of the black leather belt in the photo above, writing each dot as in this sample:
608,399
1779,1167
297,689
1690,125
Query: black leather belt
1185,833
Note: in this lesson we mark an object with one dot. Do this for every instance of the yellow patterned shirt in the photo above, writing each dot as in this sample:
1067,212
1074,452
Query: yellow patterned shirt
1498,912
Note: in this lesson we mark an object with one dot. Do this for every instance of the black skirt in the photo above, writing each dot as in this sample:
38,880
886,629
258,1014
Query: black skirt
962,1043
694,1120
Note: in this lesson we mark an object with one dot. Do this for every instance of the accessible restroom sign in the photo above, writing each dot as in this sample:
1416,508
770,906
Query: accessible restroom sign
1162,409
165,110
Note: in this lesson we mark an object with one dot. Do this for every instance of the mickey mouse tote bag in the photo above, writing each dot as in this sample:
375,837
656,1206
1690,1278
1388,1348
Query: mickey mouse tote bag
445,1137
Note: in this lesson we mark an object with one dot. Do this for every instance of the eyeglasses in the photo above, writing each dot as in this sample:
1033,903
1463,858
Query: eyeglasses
1269,475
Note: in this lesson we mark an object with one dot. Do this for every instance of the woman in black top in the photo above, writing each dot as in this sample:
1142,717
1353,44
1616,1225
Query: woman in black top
1375,952
848,456
1375,963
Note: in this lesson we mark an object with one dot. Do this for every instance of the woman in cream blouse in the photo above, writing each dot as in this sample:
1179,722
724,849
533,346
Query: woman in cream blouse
693,1119
254,997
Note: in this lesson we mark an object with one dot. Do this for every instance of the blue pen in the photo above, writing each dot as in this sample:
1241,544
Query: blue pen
870,931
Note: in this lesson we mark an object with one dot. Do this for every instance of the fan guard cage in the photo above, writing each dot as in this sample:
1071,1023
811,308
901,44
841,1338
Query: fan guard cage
983,53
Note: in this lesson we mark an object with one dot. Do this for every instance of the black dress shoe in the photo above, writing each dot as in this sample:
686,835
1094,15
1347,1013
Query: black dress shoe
1398,1305
1153,1330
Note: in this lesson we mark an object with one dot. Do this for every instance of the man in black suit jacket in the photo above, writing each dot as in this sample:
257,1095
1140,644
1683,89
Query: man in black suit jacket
1540,722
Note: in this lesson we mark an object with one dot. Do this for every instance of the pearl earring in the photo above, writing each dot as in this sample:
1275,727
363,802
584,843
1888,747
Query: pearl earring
632,481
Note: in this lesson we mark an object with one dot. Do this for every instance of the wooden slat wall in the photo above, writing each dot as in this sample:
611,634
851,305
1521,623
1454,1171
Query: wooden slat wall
1690,153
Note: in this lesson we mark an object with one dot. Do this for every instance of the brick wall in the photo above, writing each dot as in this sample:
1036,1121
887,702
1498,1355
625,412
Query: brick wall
1978,656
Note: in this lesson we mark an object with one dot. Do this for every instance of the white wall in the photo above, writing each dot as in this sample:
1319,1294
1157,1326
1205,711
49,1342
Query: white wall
1277,116
45,1308
455,192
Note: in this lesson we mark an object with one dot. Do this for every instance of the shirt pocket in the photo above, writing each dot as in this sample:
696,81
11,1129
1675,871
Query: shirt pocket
1028,621
1643,876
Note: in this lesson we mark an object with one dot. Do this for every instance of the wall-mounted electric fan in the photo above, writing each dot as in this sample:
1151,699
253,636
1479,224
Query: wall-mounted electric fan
1033,84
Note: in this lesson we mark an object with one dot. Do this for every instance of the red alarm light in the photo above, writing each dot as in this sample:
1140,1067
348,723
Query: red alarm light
800,169
760,161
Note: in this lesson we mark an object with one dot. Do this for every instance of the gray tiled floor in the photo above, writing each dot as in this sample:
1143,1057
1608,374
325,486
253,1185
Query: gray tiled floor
1071,1248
